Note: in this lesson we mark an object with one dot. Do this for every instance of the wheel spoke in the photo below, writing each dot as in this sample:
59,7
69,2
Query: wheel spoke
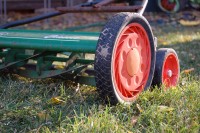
124,36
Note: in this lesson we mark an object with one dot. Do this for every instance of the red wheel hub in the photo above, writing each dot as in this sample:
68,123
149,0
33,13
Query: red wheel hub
131,61
166,4
170,73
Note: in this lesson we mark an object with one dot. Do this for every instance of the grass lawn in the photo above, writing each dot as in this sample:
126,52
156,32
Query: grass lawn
53,105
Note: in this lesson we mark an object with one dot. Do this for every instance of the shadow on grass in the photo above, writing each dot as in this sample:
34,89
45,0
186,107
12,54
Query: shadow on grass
27,104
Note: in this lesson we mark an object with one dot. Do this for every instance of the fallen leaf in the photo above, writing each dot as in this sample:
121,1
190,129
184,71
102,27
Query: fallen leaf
165,43
56,100
139,108
59,67
189,23
43,116
187,71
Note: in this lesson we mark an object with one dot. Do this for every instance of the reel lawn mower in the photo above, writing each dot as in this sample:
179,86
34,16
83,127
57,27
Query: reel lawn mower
126,60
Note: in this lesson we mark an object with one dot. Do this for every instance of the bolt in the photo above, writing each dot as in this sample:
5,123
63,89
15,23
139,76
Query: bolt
169,73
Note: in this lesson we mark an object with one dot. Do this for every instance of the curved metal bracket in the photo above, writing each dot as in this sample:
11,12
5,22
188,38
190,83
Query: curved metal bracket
144,5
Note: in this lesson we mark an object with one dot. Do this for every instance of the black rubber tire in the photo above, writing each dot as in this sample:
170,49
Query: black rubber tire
182,3
107,39
161,55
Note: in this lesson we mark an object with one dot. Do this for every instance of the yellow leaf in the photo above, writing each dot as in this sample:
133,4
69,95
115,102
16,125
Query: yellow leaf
56,100
59,67
165,43
189,23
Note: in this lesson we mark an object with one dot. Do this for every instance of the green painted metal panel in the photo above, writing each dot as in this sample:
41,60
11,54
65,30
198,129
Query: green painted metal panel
49,58
49,40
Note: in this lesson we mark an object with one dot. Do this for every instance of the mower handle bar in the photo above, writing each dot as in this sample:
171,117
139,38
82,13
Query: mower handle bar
53,14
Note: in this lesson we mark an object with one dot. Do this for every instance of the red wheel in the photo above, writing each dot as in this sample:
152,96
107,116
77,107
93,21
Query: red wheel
125,58
131,61
167,69
171,6
168,5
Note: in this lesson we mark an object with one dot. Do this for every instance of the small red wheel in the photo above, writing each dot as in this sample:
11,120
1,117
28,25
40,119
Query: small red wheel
125,58
171,6
168,5
167,69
